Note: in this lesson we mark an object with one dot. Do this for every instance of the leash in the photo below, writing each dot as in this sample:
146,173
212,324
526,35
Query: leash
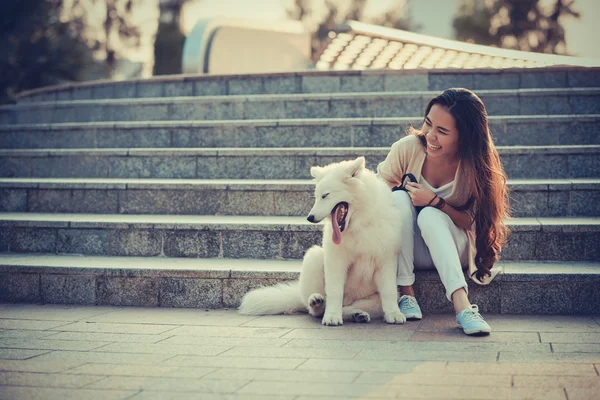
402,186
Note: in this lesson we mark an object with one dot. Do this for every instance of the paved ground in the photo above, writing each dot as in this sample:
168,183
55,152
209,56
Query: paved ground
69,352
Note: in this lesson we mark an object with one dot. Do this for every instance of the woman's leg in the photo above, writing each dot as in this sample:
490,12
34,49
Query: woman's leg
448,249
405,275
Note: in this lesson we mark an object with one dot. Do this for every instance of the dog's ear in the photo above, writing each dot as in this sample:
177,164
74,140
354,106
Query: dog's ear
316,172
356,166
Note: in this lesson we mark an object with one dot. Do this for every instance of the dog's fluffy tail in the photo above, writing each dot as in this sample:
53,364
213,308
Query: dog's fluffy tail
279,299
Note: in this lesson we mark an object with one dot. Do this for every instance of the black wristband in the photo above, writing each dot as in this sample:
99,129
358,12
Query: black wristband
431,201
440,204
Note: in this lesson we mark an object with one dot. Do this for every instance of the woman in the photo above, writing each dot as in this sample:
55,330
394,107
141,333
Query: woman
462,187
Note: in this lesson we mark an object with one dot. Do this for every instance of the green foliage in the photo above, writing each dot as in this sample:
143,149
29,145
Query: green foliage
36,48
515,24
111,36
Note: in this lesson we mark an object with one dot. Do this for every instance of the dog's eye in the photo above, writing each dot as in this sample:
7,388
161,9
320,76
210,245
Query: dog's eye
325,195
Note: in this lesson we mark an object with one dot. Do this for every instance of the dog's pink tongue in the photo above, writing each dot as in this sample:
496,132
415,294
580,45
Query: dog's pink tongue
337,233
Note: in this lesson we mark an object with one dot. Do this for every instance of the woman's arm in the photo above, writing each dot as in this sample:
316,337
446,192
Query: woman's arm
422,196
391,169
460,218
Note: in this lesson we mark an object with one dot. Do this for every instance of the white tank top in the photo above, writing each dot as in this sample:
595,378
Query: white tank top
443,191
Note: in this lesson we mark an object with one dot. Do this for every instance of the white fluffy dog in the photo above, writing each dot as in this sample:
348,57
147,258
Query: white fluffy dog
353,276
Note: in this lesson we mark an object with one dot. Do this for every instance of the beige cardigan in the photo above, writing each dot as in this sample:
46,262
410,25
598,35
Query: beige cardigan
408,155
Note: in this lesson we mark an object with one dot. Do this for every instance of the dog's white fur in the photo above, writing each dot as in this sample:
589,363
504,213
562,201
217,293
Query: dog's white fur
355,279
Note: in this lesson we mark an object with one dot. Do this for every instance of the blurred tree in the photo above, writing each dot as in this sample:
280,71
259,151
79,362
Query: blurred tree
515,24
36,48
395,17
106,25
168,45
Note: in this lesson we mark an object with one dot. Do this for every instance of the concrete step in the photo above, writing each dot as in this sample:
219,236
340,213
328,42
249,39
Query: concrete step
337,105
258,237
528,130
319,82
529,198
522,287
520,162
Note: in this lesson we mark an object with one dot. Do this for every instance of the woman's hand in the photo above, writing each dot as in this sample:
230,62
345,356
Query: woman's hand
420,195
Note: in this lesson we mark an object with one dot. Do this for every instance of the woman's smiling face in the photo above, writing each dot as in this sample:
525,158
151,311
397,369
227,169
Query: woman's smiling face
440,131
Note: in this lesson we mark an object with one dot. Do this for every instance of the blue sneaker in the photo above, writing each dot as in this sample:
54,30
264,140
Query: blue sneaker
472,322
409,307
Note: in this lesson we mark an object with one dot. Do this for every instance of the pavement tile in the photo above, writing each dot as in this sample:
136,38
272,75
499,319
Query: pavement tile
160,348
437,322
25,334
50,344
287,376
589,337
582,394
151,395
103,358
110,337
576,347
508,356
541,323
172,353
339,398
423,355
350,333
174,316
124,370
85,326
345,344
579,382
516,323
236,362
30,324
226,341
472,346
399,391
229,332
51,312
372,365
279,352
318,389
168,384
308,322
39,379
521,368
387,378
19,354
16,392
37,366
287,321
457,335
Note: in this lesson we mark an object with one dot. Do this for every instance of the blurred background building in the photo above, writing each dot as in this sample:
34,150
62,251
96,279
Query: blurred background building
45,42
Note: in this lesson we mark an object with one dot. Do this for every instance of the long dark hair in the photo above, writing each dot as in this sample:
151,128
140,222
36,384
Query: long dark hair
480,160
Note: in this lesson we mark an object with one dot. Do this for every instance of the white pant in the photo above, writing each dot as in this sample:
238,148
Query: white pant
430,240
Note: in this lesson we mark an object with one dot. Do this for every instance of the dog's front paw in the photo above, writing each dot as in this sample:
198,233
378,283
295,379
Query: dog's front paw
395,317
332,319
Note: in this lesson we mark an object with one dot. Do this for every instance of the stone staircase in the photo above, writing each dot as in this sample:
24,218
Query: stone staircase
187,191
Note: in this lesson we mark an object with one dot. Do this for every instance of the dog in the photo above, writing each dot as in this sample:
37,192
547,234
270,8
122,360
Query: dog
353,275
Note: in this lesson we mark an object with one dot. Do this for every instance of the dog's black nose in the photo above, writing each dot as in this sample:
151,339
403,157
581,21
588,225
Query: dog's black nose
311,218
